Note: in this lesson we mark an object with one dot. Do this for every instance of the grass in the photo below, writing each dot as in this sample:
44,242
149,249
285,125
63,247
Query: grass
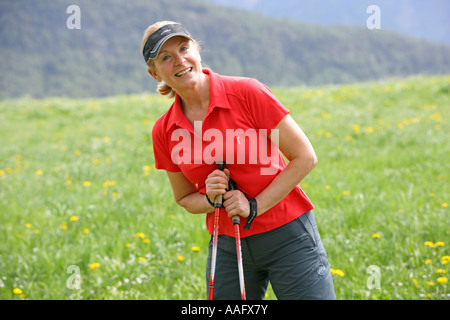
78,189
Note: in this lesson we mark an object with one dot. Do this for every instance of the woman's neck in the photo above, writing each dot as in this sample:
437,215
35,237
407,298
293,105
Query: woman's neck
195,100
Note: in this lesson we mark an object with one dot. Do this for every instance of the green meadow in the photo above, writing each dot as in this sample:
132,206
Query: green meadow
85,215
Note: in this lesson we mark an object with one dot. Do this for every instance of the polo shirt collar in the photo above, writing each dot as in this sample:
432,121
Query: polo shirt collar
217,99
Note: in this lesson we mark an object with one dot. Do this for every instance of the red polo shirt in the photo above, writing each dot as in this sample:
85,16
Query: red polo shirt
242,113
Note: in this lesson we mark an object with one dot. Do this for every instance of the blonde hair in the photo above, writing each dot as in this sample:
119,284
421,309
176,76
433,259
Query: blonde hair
163,88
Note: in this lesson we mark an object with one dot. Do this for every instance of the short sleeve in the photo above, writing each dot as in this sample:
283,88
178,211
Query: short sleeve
265,108
161,152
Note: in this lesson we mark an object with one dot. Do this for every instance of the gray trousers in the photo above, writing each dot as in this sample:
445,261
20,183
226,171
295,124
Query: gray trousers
291,257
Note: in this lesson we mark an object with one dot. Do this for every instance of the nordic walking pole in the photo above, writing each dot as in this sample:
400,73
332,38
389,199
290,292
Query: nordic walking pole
217,206
237,236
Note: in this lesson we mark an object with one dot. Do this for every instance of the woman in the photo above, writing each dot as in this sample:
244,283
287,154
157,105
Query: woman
236,119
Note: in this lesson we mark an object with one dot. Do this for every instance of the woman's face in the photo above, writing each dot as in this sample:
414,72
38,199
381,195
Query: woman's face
178,64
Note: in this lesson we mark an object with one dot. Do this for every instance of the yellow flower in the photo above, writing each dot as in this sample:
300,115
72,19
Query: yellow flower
86,231
128,245
429,244
327,187
180,258
369,130
145,240
39,172
428,261
147,170
195,248
439,244
94,265
337,272
431,195
436,116
68,182
376,235
441,271
356,128
28,225
87,184
444,205
63,225
142,259
96,161
442,280
17,291
73,218
140,235
108,183
445,259
345,193
415,282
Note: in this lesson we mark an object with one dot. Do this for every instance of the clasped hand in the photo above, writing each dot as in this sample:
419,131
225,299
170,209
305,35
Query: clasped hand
235,202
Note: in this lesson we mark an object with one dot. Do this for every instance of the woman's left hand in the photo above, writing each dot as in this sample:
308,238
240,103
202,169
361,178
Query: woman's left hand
236,204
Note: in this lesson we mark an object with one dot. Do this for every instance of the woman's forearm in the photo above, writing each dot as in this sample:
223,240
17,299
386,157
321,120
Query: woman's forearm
195,203
186,195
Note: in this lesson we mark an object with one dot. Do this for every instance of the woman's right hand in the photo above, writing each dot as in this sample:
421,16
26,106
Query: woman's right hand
217,183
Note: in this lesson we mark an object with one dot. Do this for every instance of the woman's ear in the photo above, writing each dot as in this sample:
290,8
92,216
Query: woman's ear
154,74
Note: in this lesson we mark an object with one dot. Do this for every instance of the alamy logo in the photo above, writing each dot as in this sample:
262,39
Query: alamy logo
374,21
374,280
259,149
74,20
74,281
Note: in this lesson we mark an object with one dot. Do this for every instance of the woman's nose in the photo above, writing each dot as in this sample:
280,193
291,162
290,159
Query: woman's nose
179,59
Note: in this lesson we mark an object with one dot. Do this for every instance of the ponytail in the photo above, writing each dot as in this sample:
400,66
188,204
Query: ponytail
165,90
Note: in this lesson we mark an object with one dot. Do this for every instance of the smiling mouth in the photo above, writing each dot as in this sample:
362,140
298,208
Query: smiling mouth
184,72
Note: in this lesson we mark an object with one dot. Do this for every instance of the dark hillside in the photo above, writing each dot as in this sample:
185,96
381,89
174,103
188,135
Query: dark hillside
41,57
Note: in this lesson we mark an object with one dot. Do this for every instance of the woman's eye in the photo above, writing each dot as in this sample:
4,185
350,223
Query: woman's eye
166,57
184,48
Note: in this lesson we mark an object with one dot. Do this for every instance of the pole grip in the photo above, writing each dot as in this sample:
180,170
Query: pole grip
218,198
232,186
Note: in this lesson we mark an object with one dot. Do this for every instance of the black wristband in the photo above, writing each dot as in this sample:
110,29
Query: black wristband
253,212
212,203
209,200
